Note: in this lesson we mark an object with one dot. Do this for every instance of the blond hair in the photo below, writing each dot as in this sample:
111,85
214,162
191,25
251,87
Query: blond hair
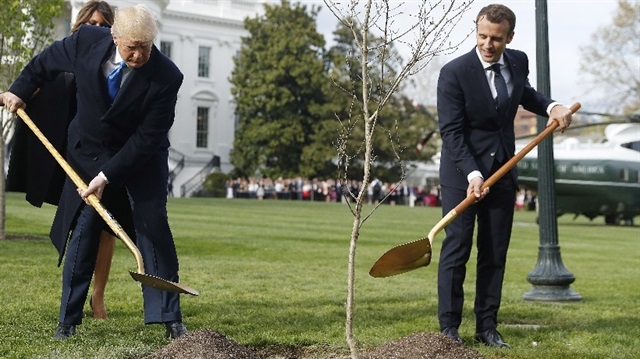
135,23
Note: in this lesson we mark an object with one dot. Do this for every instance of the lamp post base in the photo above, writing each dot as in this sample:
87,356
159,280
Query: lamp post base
550,279
551,293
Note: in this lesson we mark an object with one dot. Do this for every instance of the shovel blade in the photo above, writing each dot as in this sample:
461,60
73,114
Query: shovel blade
403,258
162,284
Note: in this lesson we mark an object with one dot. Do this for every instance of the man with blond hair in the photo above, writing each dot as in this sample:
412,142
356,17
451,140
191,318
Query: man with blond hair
126,96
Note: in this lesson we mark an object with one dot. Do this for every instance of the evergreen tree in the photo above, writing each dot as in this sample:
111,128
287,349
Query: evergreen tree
278,84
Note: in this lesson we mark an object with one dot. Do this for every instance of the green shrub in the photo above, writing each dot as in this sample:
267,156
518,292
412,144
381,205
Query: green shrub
214,185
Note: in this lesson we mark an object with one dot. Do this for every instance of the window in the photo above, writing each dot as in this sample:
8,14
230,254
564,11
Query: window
203,61
624,174
165,48
632,145
202,127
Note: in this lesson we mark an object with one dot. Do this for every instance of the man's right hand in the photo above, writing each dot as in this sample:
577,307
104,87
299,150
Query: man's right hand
96,186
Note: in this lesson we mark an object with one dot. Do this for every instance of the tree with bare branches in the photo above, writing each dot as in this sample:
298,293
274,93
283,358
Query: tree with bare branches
426,35
612,59
401,124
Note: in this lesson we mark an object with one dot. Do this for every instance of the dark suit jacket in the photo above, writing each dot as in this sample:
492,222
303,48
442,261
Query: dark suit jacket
116,139
472,130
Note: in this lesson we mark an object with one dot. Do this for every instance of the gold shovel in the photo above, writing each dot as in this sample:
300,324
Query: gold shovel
140,275
413,255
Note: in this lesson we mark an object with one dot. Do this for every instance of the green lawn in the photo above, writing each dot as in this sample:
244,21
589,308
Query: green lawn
273,273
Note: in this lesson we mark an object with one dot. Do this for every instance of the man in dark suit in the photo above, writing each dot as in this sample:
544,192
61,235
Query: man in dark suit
119,140
476,112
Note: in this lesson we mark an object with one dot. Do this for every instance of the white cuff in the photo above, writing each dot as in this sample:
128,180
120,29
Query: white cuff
552,105
102,175
473,175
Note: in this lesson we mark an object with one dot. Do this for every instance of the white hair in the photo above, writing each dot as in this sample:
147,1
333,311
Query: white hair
135,23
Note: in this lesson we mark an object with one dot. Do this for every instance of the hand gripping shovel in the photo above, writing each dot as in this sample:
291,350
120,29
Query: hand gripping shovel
413,255
140,275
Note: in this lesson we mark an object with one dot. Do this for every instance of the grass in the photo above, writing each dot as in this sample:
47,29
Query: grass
273,274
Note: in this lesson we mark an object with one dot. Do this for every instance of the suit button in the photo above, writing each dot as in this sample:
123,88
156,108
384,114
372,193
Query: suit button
95,159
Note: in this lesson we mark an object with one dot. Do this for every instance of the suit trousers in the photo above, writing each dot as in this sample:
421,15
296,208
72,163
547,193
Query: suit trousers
494,215
147,191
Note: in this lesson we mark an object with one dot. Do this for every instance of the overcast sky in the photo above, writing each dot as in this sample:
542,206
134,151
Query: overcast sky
571,24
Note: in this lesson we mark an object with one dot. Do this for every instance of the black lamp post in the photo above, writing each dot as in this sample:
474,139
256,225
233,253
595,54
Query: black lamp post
550,279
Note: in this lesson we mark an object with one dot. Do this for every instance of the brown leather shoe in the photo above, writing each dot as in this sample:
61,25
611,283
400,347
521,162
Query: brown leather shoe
492,338
175,330
452,333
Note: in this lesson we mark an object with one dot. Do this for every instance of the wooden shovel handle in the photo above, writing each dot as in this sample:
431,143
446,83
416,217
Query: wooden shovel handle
471,199
93,199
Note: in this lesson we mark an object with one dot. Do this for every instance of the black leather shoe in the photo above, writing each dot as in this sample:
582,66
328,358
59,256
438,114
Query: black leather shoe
491,338
175,330
452,333
64,331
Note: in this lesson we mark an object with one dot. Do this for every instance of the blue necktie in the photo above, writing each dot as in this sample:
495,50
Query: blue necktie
114,79
501,88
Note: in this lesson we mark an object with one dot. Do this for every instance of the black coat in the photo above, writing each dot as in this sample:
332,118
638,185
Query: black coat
32,169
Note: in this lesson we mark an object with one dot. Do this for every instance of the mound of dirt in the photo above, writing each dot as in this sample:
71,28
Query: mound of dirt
210,344
424,346
203,344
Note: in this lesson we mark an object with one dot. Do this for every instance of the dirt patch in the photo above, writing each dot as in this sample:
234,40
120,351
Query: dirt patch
26,237
204,344
309,352
211,344
424,346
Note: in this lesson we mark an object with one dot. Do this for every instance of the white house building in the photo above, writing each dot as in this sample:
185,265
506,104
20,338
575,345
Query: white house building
201,37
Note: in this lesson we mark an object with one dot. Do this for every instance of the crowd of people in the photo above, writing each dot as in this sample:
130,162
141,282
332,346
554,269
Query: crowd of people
331,190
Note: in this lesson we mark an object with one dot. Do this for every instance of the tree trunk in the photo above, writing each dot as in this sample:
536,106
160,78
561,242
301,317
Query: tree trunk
3,234
432,39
